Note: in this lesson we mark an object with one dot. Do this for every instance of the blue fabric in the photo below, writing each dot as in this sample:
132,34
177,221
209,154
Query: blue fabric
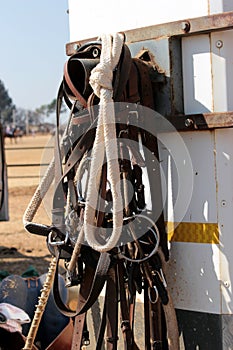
53,321
24,293
13,290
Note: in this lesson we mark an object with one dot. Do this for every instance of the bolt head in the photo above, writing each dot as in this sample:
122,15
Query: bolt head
185,26
188,122
219,44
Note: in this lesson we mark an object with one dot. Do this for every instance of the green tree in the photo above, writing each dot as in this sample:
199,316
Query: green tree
6,105
49,109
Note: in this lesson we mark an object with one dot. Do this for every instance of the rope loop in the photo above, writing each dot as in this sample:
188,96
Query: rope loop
105,144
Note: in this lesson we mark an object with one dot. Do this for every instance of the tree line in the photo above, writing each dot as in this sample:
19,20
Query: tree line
10,114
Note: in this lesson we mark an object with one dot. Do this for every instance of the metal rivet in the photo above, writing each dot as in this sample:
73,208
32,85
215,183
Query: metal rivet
185,26
226,284
95,53
76,47
223,203
188,122
219,44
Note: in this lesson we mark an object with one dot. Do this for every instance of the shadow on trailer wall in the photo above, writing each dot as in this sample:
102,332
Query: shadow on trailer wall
4,216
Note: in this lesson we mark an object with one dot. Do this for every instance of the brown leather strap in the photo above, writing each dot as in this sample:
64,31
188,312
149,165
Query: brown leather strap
81,118
93,289
71,86
110,313
64,340
112,310
78,332
129,343
146,317
83,296
156,326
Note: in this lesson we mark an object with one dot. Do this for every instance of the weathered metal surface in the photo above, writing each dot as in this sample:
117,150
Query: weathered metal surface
203,121
199,25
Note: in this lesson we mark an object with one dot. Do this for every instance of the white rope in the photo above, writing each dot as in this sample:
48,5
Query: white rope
39,194
105,144
42,302
44,185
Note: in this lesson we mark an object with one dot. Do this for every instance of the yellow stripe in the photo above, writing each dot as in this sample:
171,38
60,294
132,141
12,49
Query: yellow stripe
193,232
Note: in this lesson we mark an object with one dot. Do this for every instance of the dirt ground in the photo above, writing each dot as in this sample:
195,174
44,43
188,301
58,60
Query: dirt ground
18,249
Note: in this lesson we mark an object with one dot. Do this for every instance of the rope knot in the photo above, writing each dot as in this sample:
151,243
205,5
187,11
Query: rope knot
101,77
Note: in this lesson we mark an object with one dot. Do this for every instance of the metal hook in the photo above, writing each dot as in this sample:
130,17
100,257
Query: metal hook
57,243
156,293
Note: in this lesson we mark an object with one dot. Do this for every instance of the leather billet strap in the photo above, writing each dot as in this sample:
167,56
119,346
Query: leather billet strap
126,323
90,291
110,313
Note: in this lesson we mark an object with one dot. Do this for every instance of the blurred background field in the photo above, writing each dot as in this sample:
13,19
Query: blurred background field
18,248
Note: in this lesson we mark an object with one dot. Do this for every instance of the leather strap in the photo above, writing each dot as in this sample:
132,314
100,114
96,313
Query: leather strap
146,317
78,332
112,310
129,343
110,313
64,340
71,86
98,279
80,319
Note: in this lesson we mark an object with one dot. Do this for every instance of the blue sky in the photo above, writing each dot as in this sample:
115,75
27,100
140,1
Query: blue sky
33,35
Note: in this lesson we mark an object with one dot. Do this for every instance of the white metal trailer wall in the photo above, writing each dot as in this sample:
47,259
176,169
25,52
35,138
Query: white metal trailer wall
110,16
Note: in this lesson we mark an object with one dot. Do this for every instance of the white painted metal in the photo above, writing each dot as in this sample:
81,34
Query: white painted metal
222,70
218,6
207,72
106,16
194,183
224,165
194,277
194,268
197,79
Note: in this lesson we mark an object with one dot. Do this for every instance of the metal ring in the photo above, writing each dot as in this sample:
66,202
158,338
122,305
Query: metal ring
57,243
157,236
156,293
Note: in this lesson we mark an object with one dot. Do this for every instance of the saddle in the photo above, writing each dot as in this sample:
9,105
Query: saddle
107,215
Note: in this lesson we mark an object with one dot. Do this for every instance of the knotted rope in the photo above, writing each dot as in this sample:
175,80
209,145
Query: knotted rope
41,306
105,145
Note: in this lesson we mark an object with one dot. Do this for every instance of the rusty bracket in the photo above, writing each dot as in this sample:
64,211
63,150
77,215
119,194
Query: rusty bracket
198,25
202,121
